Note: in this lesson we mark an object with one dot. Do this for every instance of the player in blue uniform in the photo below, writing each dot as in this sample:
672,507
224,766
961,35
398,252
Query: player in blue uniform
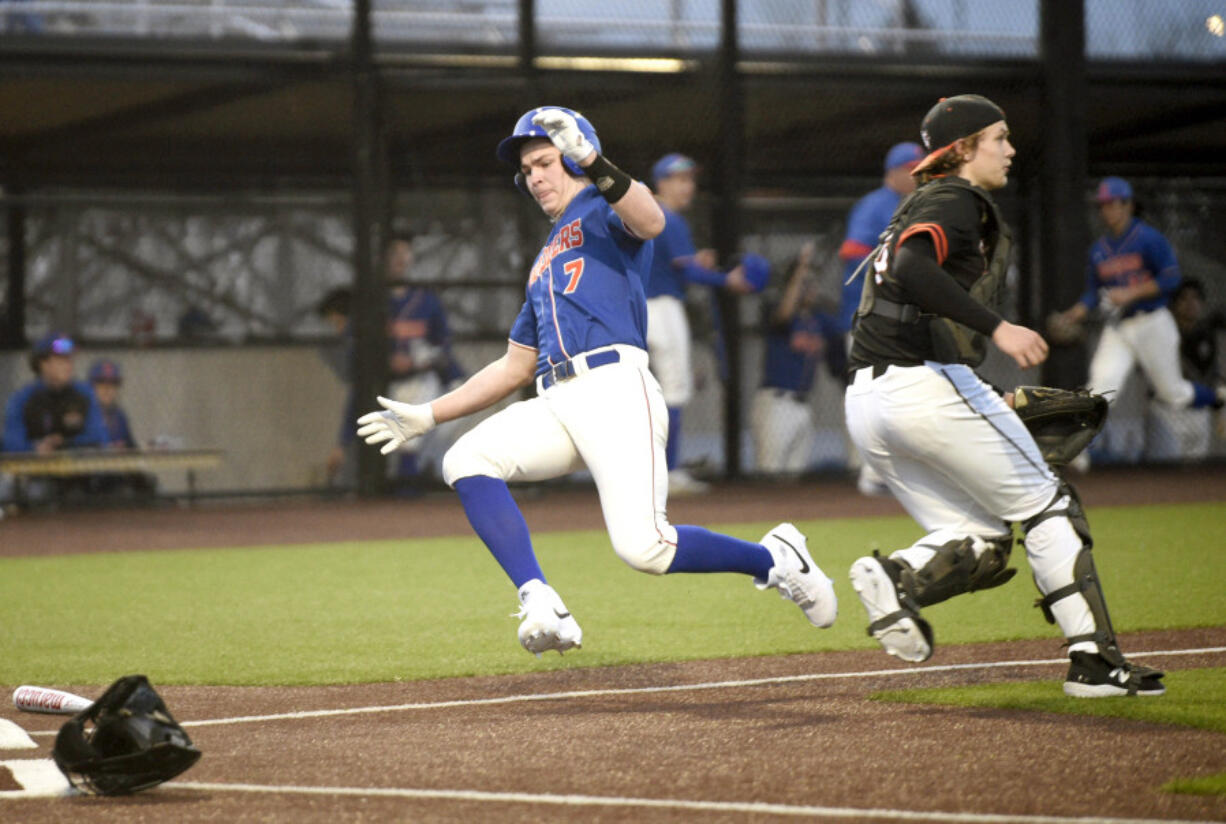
1131,275
865,223
54,411
105,378
420,361
674,264
580,336
798,336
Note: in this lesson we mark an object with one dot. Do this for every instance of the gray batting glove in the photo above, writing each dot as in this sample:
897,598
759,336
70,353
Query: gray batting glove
397,424
565,134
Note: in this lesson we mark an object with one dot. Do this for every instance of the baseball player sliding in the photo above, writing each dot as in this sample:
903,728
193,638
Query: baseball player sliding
580,336
951,449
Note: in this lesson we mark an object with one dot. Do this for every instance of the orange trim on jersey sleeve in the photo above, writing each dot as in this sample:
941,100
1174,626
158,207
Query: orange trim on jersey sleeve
521,345
939,241
852,249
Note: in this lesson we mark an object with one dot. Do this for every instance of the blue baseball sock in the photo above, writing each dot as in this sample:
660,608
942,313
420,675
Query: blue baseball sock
701,550
1202,395
673,447
498,522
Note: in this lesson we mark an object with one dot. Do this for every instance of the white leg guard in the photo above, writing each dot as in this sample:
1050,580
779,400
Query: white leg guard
1052,548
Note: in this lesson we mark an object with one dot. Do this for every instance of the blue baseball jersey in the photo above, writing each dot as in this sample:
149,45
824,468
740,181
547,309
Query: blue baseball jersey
118,432
794,349
35,411
1138,255
416,314
675,242
672,263
865,223
585,288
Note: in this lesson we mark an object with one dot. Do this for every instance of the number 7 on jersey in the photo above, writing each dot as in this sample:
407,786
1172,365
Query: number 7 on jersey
574,270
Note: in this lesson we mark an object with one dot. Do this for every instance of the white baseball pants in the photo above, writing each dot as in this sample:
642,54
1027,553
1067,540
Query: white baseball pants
963,464
668,341
1150,339
783,432
610,418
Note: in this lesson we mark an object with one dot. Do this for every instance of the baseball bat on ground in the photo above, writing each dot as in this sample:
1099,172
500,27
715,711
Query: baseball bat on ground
45,699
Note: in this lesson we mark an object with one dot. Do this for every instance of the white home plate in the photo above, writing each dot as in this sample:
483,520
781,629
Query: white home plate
38,777
13,737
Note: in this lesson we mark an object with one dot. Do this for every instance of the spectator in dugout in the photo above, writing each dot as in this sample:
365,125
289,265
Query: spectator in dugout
105,379
54,411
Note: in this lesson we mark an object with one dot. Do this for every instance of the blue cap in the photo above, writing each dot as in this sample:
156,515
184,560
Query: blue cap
53,343
1113,188
105,371
903,154
757,270
672,164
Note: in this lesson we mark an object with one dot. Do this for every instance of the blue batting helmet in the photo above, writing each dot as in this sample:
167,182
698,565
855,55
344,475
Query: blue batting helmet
525,129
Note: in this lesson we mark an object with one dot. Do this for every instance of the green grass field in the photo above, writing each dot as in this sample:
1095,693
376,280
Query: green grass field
382,611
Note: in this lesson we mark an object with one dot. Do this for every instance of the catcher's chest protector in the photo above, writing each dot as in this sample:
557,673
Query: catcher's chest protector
953,342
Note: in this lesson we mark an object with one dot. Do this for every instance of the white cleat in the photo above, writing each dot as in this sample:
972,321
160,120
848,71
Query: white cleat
797,577
682,483
895,623
547,623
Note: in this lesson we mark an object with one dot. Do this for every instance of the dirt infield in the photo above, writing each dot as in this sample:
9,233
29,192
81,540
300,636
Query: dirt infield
805,737
744,740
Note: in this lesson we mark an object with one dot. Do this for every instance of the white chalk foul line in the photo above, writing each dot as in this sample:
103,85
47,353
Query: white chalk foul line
754,807
598,693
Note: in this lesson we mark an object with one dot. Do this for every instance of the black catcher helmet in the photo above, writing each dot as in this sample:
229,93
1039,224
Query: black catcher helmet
124,742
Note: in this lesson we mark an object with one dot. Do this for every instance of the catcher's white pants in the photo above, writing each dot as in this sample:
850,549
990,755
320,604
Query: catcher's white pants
611,418
783,432
962,463
1150,339
668,342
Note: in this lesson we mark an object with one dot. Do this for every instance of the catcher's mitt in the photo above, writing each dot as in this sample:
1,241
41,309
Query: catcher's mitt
1062,421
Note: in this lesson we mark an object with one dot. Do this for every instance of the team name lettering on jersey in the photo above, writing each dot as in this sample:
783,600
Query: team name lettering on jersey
409,328
1120,266
568,237
806,342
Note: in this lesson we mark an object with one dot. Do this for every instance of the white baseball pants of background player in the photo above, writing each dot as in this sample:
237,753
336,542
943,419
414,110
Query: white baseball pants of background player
963,464
668,341
429,448
611,419
1150,339
783,432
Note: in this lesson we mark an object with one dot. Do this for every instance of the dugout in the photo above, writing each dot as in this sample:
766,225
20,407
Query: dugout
160,157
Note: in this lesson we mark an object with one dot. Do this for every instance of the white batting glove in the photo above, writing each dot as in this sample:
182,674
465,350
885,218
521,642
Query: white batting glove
565,134
397,424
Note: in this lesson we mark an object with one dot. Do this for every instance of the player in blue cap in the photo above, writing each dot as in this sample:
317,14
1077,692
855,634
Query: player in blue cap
674,265
1130,278
581,338
106,378
54,411
866,221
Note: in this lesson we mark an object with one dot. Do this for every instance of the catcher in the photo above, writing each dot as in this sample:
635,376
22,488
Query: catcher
953,452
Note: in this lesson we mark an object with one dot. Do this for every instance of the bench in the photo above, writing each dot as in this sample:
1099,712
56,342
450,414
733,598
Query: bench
66,462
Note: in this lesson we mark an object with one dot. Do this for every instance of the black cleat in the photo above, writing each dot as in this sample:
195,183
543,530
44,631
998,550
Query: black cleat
1092,676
